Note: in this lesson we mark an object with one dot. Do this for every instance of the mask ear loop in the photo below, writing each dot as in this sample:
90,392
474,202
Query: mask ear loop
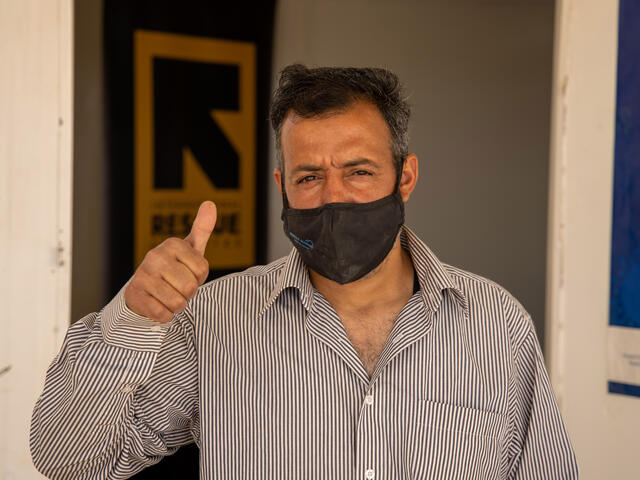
398,177
285,202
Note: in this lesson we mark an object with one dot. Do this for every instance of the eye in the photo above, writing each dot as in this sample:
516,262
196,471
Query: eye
361,172
306,179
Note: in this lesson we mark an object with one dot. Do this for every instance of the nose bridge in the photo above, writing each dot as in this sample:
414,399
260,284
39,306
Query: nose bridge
334,190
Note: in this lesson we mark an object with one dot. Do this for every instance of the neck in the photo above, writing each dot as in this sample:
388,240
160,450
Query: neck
388,283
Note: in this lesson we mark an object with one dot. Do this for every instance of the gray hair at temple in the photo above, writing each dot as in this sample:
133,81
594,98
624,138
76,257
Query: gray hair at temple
312,92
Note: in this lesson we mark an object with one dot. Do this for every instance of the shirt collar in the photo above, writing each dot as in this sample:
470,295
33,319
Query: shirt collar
294,274
432,275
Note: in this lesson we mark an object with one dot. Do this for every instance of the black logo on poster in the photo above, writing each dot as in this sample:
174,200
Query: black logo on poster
184,95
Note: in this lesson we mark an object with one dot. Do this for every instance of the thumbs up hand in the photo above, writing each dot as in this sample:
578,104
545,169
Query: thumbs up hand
171,273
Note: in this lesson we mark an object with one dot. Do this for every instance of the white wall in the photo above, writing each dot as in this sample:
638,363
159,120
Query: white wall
478,73
604,428
35,208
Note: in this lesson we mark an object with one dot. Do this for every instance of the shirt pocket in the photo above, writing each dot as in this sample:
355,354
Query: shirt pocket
449,441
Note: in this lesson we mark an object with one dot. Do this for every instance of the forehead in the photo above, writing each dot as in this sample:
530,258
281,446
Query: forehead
358,130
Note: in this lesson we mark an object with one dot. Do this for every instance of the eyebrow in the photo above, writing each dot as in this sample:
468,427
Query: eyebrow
351,163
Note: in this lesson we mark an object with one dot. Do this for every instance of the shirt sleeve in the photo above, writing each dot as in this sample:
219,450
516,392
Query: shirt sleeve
120,395
540,446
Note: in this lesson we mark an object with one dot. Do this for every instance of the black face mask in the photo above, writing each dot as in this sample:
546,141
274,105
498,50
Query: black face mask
344,241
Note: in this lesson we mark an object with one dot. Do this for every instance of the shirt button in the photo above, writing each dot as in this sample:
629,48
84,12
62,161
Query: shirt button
369,401
156,328
369,474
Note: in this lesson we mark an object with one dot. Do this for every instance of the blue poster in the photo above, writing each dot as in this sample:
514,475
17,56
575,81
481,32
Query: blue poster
624,312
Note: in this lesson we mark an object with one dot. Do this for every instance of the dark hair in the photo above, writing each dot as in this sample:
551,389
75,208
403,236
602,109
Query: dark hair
312,92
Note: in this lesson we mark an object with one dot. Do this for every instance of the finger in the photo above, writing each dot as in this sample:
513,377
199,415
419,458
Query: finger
180,278
193,260
168,296
149,307
202,226
197,264
158,311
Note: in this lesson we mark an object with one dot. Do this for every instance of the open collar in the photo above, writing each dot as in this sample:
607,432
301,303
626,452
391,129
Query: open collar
294,274
432,274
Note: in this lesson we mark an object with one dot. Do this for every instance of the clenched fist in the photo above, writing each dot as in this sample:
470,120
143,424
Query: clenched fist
171,273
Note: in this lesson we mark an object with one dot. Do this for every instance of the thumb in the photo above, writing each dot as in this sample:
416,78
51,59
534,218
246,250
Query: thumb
202,226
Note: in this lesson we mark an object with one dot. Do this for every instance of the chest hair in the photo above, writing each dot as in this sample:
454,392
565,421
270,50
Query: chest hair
368,334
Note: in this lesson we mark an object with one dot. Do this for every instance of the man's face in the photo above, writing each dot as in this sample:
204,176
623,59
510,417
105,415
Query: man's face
342,157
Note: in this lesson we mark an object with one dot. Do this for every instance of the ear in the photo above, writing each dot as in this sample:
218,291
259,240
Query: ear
277,176
409,176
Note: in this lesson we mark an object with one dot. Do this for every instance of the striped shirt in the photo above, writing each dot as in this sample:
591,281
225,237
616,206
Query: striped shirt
259,372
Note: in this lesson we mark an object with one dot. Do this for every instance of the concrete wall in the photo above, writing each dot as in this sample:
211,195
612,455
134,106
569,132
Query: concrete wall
89,166
603,427
478,73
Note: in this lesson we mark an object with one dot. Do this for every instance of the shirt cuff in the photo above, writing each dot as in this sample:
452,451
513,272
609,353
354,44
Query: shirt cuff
124,328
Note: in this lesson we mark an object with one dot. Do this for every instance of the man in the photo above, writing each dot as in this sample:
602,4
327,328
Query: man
359,355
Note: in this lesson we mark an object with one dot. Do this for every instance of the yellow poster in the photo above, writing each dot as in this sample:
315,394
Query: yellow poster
195,140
